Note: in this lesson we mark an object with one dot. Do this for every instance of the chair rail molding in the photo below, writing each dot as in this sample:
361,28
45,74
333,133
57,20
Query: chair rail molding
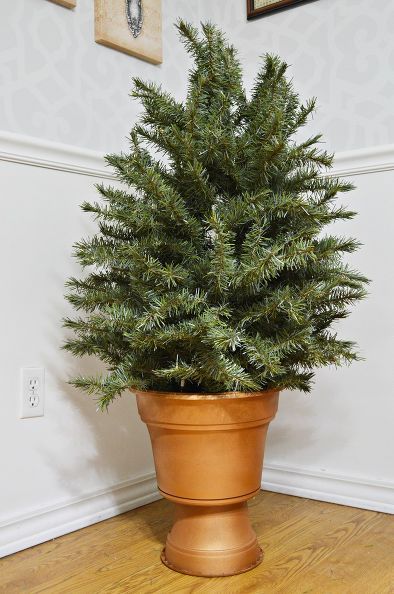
36,152
28,150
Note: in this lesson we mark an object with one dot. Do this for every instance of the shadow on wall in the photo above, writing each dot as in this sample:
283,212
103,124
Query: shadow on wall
90,450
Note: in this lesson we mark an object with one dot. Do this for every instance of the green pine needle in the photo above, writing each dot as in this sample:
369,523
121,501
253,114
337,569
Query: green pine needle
209,270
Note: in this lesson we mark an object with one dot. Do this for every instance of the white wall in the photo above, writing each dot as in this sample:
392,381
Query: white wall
337,443
75,466
72,455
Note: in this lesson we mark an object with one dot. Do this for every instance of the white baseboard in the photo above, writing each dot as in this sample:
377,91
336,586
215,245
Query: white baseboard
51,522
48,523
353,491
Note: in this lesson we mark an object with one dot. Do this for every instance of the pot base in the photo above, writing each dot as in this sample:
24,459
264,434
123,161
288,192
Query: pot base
178,570
212,541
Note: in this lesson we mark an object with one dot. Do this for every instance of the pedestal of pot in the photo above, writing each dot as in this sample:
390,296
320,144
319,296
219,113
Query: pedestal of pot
208,451
212,540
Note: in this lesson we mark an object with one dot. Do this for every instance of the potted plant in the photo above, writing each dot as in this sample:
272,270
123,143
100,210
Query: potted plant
213,287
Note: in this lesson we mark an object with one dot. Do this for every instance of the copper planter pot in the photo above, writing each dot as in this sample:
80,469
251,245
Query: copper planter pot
208,451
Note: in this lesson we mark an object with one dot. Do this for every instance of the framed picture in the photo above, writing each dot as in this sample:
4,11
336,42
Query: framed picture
66,3
130,26
256,8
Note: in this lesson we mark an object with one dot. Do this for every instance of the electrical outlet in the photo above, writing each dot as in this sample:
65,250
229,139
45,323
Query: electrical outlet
32,392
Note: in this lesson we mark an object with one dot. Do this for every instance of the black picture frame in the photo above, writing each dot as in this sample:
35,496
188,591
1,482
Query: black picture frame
253,12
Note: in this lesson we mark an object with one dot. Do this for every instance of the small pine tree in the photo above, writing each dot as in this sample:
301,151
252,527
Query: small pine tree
210,271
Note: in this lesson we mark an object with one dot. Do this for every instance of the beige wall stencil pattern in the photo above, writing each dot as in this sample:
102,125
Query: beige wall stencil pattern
131,26
340,51
66,3
55,83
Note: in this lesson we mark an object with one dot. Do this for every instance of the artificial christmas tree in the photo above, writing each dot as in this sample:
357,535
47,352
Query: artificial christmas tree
211,274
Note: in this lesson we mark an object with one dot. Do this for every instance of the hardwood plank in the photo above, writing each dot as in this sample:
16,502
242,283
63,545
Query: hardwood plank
310,547
365,564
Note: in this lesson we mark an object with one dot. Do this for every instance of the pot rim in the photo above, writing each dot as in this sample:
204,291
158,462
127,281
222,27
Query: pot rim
234,395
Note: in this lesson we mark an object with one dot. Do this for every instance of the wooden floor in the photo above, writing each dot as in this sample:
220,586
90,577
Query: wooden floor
310,548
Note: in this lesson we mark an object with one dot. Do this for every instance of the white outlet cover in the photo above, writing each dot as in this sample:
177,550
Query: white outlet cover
32,392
